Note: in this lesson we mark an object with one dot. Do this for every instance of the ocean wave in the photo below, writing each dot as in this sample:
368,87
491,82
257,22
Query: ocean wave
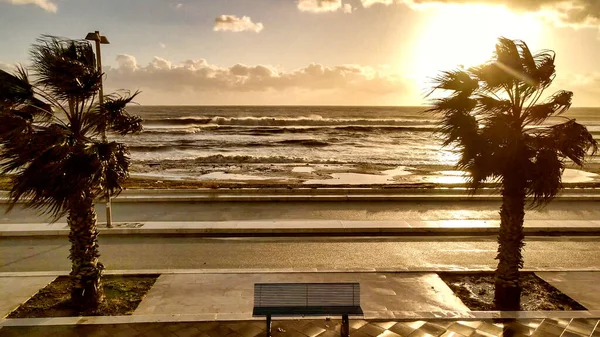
245,159
303,142
186,144
265,131
313,120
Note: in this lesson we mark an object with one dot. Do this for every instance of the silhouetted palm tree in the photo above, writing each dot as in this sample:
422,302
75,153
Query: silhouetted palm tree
493,115
50,136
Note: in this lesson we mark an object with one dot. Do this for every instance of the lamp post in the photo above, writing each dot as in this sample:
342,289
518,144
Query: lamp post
101,39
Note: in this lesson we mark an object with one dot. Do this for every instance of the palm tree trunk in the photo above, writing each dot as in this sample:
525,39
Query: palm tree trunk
510,244
87,293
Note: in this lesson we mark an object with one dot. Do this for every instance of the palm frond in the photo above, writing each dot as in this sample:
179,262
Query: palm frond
557,104
65,68
113,116
572,140
488,106
508,54
545,179
115,162
456,80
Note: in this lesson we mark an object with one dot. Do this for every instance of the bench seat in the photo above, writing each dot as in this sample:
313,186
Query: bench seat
307,299
307,311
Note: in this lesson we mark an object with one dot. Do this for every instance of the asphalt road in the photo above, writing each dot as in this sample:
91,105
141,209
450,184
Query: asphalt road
138,252
351,210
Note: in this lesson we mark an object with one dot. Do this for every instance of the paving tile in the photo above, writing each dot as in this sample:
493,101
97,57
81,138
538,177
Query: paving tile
550,328
20,290
323,328
516,328
559,322
489,328
402,329
415,324
330,334
156,333
249,330
385,325
189,331
219,331
580,286
542,333
206,326
572,334
90,331
419,333
441,323
356,324
461,329
532,323
472,324
359,333
432,329
580,328
234,293
388,333
372,330
452,334
480,334
311,330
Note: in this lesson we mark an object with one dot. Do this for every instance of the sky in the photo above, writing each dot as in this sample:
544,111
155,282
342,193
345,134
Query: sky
306,52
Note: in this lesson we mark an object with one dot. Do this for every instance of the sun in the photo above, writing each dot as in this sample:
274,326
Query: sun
465,35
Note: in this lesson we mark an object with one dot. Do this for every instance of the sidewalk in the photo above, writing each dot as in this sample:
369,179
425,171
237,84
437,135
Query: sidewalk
395,304
549,327
313,227
326,194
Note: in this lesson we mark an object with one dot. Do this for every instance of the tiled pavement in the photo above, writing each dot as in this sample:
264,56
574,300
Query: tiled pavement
324,328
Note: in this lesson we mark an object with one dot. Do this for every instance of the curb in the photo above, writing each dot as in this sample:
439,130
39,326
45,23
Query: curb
311,232
324,194
373,316
465,270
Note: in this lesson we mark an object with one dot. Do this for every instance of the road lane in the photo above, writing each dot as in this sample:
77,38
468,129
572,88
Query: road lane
349,210
138,252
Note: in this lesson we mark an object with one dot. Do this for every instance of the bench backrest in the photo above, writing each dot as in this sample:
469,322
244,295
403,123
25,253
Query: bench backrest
307,294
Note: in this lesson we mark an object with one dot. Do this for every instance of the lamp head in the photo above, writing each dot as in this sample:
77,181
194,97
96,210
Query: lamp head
95,36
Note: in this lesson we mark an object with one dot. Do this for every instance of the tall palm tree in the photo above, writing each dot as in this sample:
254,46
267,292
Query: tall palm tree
50,136
494,115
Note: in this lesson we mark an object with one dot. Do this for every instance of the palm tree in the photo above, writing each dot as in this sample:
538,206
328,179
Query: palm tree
494,115
50,136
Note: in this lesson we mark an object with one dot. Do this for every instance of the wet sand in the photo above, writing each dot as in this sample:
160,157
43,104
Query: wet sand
264,175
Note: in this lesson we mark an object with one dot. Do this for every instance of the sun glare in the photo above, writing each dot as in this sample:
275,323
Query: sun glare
465,35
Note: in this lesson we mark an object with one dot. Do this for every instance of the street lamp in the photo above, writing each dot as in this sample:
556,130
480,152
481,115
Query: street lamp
101,39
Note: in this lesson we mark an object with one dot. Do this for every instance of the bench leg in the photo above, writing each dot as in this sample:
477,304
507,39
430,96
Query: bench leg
345,329
268,325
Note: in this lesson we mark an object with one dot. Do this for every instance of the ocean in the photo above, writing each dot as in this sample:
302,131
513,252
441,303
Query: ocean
304,135
284,134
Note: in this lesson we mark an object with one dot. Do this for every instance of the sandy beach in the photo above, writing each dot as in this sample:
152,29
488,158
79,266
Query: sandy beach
150,175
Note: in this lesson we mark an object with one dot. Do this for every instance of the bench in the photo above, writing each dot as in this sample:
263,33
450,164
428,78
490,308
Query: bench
307,299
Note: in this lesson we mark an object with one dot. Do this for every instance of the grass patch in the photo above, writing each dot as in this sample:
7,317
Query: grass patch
123,294
476,291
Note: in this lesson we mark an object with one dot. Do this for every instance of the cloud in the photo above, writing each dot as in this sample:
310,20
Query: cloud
162,45
347,8
233,23
47,5
199,76
322,6
369,3
178,6
565,12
